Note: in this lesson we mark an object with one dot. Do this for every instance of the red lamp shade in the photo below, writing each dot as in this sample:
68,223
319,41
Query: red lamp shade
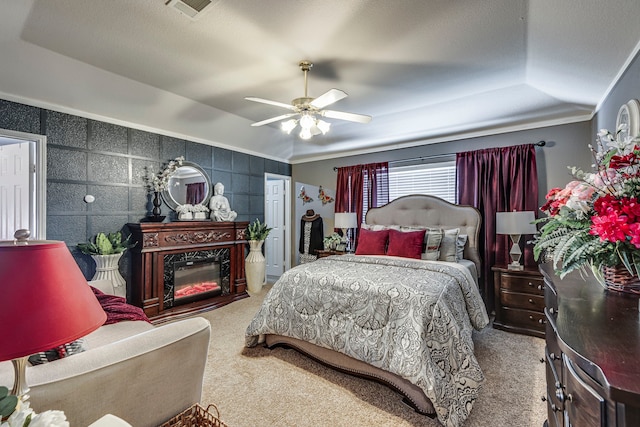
44,299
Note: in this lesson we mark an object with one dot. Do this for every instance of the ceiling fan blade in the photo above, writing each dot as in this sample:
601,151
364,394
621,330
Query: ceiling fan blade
352,117
328,98
267,101
273,119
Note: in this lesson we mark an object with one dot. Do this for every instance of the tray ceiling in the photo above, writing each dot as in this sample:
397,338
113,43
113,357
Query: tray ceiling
427,71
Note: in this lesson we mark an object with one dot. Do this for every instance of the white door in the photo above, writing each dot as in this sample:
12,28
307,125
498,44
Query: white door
275,218
15,190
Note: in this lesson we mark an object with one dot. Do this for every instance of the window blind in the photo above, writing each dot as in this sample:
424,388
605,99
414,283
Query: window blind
436,179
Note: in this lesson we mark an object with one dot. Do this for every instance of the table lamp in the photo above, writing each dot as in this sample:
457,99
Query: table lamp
45,301
346,221
515,224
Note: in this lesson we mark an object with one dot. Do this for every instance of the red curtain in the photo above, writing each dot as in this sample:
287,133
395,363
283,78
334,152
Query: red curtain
498,180
362,185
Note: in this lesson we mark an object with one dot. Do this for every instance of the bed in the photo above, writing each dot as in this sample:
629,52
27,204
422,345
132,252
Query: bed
404,322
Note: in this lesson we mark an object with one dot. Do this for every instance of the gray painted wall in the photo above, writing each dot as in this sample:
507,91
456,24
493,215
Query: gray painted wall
628,87
566,146
87,156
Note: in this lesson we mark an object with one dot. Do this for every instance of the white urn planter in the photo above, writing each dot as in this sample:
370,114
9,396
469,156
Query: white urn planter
107,268
255,266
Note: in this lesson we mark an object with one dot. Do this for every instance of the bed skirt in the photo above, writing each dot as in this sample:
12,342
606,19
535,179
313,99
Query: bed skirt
413,395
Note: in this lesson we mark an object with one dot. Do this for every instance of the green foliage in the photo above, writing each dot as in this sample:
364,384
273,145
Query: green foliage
8,402
568,243
257,230
106,244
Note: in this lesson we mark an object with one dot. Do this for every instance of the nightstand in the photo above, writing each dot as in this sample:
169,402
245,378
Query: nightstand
519,301
323,253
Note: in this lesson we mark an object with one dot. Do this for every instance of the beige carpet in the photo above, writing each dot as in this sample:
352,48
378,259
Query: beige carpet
261,387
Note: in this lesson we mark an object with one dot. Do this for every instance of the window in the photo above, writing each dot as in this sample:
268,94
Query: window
436,179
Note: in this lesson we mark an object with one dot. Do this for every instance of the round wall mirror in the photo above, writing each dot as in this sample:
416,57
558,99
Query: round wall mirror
189,184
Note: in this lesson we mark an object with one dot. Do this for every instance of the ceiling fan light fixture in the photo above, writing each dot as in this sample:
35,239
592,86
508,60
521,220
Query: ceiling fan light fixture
323,126
289,125
307,120
305,133
309,110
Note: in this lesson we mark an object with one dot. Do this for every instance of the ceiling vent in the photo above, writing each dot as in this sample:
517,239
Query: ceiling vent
193,9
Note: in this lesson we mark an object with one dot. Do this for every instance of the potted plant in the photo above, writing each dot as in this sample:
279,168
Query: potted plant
106,250
330,242
158,182
255,264
200,211
185,212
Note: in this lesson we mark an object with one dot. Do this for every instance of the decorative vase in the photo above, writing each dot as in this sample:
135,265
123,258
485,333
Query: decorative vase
156,204
107,269
255,266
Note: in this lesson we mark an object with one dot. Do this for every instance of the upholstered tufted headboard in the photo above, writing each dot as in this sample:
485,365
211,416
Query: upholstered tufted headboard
429,211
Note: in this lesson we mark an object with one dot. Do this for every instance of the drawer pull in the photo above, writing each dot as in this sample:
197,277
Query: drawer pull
552,310
541,321
540,287
563,397
531,301
530,285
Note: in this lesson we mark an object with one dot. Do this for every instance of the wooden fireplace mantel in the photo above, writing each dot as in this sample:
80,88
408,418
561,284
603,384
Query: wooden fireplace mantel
155,241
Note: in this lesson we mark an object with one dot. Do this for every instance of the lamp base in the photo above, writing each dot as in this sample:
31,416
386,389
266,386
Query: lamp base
20,388
515,267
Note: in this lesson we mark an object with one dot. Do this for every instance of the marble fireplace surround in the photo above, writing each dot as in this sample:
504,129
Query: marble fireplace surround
163,243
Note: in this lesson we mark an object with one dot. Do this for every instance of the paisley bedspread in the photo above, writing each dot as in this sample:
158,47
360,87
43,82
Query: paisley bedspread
412,318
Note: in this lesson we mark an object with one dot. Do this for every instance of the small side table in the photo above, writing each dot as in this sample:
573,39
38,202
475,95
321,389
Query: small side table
327,252
519,301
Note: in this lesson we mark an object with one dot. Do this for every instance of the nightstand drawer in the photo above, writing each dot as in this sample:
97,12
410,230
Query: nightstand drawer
524,318
518,300
520,283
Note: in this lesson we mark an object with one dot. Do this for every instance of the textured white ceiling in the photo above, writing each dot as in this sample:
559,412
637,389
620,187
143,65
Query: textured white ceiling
426,70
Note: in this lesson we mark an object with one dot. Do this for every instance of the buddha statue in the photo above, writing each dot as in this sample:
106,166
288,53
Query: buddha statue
219,205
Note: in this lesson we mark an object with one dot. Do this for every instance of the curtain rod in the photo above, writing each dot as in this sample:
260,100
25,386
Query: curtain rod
541,143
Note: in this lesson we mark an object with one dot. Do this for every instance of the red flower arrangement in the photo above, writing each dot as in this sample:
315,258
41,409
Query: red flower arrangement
595,219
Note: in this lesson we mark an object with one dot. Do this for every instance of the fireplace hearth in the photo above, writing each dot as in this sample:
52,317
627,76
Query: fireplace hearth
184,267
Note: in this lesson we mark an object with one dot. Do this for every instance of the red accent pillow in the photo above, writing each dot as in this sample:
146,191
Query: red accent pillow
372,242
407,244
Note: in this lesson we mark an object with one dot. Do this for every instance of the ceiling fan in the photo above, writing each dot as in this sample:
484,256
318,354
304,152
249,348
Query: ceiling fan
306,109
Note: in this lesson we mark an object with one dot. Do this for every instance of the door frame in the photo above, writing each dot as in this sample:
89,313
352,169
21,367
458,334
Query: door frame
38,188
287,213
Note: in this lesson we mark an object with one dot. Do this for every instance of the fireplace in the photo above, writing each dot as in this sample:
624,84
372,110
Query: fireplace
195,275
186,267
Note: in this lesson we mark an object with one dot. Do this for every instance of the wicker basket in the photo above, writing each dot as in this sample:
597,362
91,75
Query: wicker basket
196,416
619,279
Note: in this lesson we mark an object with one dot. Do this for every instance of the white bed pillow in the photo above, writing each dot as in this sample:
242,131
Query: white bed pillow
378,227
462,240
432,242
448,246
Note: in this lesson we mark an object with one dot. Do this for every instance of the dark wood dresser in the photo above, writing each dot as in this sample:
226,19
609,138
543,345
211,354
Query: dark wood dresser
519,301
592,353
